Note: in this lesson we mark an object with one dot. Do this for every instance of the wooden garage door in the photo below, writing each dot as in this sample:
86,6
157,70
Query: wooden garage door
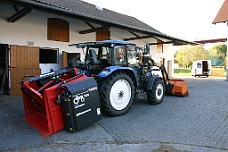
24,60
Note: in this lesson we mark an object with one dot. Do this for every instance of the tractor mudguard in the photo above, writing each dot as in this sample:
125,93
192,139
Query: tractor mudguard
108,70
151,81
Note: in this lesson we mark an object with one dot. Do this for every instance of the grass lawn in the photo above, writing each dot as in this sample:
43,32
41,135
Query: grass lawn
182,72
187,72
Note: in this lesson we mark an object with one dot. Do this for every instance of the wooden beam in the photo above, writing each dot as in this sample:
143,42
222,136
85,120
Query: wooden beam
158,39
90,25
18,15
134,33
16,8
135,38
211,41
91,30
178,43
167,42
88,31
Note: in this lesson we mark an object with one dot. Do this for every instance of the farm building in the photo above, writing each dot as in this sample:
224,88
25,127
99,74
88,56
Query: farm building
35,36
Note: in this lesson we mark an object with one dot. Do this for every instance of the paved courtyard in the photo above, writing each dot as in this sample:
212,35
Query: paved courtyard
197,123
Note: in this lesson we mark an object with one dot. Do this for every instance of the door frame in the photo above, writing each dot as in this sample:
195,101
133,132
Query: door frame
6,89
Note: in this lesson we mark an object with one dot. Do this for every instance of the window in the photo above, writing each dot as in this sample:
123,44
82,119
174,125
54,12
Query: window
120,55
198,65
49,55
132,55
106,58
58,30
92,54
105,53
99,55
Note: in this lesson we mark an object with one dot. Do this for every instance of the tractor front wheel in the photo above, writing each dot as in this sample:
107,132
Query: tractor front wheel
116,94
156,94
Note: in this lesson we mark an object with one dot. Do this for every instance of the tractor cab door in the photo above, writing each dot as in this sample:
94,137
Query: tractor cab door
132,56
120,55
99,56
92,56
105,57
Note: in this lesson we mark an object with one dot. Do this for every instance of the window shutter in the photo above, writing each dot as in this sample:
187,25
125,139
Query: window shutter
58,30
102,34
159,46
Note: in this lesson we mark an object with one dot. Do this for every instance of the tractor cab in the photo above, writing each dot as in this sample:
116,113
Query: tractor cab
102,54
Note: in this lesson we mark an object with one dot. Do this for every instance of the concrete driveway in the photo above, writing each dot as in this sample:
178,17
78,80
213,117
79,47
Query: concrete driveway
197,123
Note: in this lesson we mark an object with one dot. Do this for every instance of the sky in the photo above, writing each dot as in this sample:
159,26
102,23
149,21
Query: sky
186,19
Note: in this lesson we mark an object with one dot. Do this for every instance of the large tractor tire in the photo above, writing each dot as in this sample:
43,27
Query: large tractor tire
156,94
116,94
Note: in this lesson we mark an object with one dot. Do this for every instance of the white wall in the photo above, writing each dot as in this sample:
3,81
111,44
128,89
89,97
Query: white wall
33,28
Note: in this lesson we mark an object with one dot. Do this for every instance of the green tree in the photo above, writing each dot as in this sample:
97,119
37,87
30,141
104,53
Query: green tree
219,51
186,55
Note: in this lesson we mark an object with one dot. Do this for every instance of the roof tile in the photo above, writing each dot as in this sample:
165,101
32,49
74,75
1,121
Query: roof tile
79,7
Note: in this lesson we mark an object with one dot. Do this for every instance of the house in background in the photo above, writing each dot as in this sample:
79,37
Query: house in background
217,67
35,36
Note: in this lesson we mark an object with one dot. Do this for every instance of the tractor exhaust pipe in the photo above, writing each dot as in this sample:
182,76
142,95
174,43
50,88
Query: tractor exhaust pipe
147,48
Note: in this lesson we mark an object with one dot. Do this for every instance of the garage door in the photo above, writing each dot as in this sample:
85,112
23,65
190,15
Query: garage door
24,60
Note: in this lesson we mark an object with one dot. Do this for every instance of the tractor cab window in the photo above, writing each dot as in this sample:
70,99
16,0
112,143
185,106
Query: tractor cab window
120,55
105,53
92,55
99,55
105,56
132,55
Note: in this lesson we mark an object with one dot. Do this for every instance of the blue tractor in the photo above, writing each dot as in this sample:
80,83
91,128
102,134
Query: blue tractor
122,71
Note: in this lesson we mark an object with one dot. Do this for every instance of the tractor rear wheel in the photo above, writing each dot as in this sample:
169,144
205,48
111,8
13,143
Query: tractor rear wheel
156,94
116,94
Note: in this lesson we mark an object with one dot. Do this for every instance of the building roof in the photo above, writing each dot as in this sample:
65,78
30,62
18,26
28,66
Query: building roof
222,15
90,13
87,10
211,41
